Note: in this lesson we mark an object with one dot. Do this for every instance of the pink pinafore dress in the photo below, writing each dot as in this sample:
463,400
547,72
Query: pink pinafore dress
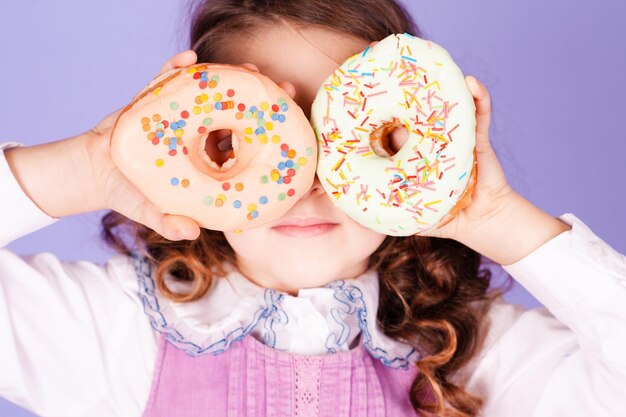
243,377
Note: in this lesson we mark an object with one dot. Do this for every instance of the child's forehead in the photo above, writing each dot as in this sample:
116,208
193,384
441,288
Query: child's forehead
302,55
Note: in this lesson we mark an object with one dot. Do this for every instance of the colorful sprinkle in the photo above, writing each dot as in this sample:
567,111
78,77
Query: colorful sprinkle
220,200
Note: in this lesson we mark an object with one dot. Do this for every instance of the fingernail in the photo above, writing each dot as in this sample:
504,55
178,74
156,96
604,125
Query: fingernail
189,234
181,234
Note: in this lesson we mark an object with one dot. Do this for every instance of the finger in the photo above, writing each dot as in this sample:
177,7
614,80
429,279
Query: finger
129,201
180,225
170,226
490,171
181,59
250,66
482,101
106,123
288,87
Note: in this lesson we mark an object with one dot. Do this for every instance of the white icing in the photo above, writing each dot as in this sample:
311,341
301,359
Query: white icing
399,195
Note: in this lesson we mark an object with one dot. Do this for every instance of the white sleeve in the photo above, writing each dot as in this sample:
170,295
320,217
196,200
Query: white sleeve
20,215
74,340
566,358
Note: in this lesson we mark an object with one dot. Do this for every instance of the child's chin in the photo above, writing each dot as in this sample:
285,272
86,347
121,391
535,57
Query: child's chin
314,275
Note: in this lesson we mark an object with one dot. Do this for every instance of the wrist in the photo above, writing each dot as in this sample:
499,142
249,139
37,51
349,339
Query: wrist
51,175
514,231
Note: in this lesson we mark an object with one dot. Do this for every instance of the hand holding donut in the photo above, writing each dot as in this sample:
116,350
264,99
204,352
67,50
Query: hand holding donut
499,223
404,149
491,191
117,193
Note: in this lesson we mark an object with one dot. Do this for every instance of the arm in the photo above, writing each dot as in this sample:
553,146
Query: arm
499,223
69,332
566,358
77,175
518,228
21,216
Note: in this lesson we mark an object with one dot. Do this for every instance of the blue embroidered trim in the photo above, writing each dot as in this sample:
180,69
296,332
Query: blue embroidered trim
353,303
272,315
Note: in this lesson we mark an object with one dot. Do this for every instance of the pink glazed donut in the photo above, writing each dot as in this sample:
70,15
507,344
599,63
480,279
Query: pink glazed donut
166,143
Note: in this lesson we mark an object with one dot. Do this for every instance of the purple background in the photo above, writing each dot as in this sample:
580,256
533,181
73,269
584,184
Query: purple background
555,71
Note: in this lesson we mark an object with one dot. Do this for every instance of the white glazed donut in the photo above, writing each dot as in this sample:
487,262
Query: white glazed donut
401,82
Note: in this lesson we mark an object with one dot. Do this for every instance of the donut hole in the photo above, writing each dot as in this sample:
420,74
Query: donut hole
387,139
218,148
397,138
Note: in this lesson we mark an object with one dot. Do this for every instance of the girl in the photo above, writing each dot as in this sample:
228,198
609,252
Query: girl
312,314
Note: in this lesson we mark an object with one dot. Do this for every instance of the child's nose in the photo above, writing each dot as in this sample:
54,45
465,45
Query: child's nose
317,185
316,189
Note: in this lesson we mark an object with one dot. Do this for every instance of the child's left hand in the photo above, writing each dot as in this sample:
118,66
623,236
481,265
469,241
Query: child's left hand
491,191
499,223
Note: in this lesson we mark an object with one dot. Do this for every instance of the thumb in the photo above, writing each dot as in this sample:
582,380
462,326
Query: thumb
130,202
482,101
170,226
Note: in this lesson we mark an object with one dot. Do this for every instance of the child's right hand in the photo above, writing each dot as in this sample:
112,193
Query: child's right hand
77,175
121,195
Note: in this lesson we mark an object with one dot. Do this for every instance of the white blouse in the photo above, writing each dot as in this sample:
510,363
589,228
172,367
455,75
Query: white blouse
80,339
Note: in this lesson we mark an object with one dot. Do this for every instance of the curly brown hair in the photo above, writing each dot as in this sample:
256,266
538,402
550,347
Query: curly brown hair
434,293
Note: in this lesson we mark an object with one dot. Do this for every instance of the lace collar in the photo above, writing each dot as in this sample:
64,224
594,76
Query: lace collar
322,320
